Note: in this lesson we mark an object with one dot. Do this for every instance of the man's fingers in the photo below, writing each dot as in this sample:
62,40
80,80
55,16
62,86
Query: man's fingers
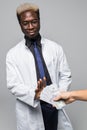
38,85
41,83
44,82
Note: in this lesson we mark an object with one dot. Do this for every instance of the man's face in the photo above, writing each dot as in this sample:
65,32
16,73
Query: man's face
30,24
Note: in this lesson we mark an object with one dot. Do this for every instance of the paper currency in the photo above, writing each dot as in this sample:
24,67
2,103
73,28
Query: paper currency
49,93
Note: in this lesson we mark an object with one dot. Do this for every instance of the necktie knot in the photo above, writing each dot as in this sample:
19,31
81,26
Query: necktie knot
35,44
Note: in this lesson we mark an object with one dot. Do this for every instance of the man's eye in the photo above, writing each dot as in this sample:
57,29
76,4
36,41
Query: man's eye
25,23
34,22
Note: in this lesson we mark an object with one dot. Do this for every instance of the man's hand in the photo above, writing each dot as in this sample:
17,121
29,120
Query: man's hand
41,84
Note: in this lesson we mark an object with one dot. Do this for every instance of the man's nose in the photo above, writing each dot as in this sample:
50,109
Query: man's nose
30,26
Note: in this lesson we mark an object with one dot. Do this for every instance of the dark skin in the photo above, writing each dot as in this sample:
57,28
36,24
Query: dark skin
30,26
41,84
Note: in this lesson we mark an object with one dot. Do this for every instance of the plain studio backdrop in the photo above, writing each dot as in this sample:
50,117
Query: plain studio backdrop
63,21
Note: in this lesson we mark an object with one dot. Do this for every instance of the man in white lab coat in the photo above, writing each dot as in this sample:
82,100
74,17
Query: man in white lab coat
24,79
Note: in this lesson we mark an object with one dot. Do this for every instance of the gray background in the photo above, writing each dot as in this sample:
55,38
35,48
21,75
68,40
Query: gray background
63,21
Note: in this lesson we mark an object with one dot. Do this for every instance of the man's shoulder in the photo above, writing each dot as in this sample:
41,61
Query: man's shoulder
15,49
51,43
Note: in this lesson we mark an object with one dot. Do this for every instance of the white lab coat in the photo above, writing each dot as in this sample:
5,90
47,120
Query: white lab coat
22,82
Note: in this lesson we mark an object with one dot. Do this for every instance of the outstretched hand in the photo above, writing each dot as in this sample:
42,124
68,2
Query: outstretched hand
41,84
65,96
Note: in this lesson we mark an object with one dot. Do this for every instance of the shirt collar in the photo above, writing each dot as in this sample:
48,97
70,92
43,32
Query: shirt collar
29,42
